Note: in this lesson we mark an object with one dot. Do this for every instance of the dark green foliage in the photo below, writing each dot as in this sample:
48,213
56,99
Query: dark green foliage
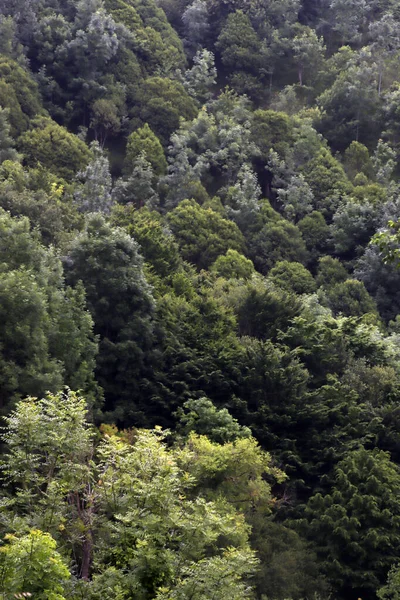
277,241
356,525
350,298
107,261
160,103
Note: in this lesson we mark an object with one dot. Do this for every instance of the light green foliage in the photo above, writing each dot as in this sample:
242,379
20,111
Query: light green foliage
351,104
383,162
233,265
203,234
144,141
327,180
243,199
293,277
162,530
137,188
392,588
54,147
202,417
200,80
31,566
308,53
234,471
19,93
354,223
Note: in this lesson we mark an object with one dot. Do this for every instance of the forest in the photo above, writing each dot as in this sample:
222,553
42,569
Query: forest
200,299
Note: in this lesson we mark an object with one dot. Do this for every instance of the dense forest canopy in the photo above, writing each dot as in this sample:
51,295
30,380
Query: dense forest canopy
200,299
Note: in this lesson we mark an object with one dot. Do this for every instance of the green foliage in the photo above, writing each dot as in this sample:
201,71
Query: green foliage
350,298
277,241
144,141
161,103
293,277
19,93
30,565
202,234
233,265
202,417
54,147
157,244
108,263
356,524
46,333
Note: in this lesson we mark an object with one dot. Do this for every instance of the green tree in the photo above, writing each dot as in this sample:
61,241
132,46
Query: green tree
94,192
7,151
46,332
52,146
233,265
107,261
350,298
356,524
203,234
293,277
202,417
31,566
144,141
277,240
161,103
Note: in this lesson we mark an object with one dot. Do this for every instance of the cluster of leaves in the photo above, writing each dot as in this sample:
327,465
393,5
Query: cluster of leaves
219,261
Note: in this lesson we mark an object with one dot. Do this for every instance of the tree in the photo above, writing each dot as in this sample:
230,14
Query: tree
161,103
293,277
200,80
125,510
243,200
144,142
108,262
239,45
277,241
196,23
357,160
55,148
31,566
350,298
356,524
46,332
203,234
308,52
94,193
156,241
233,265
137,187
330,272
7,151
202,417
